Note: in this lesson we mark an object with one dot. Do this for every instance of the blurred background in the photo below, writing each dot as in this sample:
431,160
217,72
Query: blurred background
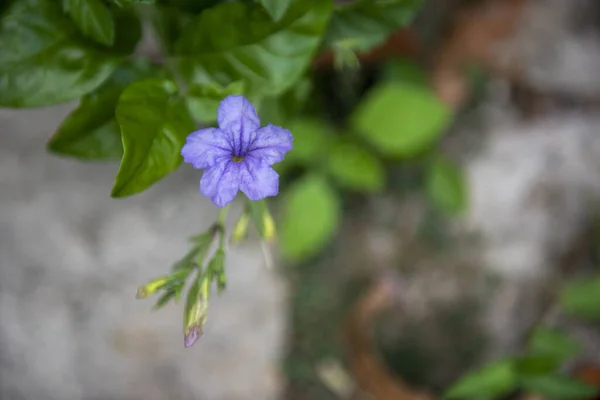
426,264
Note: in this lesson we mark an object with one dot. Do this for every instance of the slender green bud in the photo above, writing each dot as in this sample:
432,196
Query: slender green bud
240,228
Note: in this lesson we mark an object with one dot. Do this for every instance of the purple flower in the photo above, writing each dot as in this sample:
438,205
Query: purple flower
238,154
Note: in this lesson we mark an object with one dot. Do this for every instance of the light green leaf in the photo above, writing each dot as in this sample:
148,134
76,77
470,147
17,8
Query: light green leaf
489,382
94,19
203,99
154,124
581,298
364,24
312,141
311,216
275,8
283,109
446,186
401,120
91,130
45,60
536,364
355,168
545,341
556,387
270,56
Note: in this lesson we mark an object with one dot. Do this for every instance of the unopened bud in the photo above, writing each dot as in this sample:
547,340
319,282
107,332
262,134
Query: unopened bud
240,228
196,312
268,226
150,288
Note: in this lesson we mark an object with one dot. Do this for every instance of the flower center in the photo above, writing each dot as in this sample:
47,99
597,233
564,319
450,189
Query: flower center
237,159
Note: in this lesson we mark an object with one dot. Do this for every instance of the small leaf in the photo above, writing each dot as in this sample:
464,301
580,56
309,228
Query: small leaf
581,298
311,216
275,8
312,141
556,387
94,19
355,168
545,341
269,56
401,120
368,23
45,60
91,130
446,186
203,99
489,382
154,125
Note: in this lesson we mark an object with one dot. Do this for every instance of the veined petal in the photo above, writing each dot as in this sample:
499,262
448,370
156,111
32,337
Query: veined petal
221,182
206,147
257,179
237,116
271,144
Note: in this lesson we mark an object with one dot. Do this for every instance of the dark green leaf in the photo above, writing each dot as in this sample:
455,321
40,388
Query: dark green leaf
45,60
280,110
311,216
168,23
275,8
556,387
203,99
489,382
545,341
367,23
355,168
270,56
154,124
91,131
401,120
536,364
446,186
581,298
94,19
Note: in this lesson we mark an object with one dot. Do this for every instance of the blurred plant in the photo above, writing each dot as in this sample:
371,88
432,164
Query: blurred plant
141,110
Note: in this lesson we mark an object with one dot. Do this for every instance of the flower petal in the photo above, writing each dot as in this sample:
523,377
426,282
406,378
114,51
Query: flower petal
206,147
237,116
257,179
271,144
221,182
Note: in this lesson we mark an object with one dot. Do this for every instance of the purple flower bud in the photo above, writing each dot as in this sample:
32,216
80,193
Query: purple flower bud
192,335
238,154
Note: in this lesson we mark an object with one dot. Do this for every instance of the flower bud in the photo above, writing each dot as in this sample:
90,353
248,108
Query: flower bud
196,311
240,228
150,288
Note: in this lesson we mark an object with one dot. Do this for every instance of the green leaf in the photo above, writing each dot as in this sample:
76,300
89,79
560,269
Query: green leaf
275,8
283,109
364,24
536,364
558,387
94,19
401,120
154,124
581,298
270,56
355,168
203,99
311,216
45,60
91,130
446,186
545,341
490,382
312,141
